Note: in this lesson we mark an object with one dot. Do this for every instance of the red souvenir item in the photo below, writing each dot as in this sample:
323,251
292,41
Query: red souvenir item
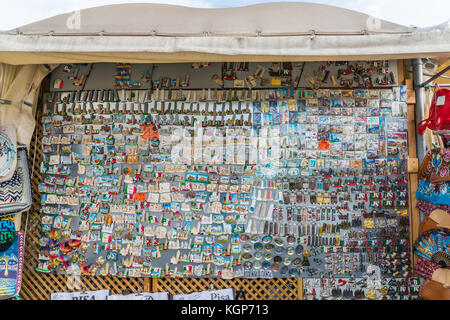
324,145
140,197
439,115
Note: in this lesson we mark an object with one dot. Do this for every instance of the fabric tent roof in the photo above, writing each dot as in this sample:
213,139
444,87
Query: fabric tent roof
265,32
285,18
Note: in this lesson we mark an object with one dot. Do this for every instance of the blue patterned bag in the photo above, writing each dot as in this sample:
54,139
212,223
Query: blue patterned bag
15,194
437,193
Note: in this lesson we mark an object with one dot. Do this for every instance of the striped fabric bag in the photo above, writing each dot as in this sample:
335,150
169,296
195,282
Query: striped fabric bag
15,194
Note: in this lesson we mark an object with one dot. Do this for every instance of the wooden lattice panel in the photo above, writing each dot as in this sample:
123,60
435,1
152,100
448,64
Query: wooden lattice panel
39,286
254,289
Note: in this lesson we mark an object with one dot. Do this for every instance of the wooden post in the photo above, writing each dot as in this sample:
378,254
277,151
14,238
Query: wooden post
155,285
147,284
300,288
400,72
413,164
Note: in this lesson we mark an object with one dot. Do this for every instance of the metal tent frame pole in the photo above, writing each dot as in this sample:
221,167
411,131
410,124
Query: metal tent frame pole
420,106
437,75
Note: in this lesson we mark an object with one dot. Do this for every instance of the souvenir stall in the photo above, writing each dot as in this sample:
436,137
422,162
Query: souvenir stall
288,172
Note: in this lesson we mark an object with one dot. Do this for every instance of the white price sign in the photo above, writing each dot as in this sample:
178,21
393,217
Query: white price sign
88,295
141,296
224,294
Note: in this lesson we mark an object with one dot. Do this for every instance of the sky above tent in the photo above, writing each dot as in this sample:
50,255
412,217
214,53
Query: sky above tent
418,13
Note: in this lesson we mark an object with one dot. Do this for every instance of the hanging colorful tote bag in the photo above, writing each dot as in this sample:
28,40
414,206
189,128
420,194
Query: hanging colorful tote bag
439,115
11,266
15,194
7,232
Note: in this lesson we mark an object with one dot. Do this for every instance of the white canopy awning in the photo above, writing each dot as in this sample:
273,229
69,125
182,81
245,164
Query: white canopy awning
274,19
147,33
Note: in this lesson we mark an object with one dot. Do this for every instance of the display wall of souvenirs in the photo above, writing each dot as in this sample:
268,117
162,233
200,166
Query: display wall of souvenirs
237,179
